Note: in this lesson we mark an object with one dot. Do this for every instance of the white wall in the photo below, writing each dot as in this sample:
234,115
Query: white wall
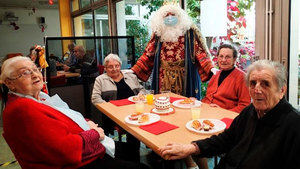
29,34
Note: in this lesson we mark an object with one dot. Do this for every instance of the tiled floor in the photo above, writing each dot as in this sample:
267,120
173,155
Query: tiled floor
6,155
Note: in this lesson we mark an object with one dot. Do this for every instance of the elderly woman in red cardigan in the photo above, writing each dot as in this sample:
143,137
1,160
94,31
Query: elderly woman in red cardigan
227,89
42,131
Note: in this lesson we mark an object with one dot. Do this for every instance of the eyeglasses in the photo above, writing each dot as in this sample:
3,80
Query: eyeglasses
113,66
226,57
27,72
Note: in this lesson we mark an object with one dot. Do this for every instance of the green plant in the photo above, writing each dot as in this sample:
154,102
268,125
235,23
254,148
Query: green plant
139,31
236,11
193,9
152,5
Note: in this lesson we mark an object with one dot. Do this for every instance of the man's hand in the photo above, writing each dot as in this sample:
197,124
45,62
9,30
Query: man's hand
214,70
173,151
66,68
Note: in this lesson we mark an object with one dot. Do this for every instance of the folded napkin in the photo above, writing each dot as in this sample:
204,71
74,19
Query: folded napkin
121,102
227,121
158,127
173,99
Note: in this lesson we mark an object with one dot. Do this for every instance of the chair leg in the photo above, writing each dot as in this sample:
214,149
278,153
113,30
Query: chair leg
201,162
216,160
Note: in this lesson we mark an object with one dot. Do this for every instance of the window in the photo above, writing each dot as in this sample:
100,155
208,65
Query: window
294,76
233,22
83,25
74,5
132,21
102,29
85,3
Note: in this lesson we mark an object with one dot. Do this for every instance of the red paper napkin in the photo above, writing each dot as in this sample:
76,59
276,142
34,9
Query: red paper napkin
121,102
227,121
173,99
158,127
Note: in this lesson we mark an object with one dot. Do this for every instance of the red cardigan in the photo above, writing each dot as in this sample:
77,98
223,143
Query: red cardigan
232,94
43,138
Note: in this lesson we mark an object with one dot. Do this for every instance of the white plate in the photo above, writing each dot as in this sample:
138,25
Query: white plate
131,99
170,110
185,106
219,126
152,119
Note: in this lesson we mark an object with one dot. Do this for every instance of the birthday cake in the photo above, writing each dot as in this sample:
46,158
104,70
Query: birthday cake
162,104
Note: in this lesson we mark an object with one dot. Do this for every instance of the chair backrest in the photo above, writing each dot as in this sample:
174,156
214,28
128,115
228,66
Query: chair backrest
56,81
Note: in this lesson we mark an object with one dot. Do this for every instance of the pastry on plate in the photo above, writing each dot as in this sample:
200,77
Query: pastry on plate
196,125
187,101
135,116
206,128
139,97
209,123
143,118
142,97
135,98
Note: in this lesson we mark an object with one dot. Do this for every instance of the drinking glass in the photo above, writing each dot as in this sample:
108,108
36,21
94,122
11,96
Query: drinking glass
150,97
139,107
195,111
166,93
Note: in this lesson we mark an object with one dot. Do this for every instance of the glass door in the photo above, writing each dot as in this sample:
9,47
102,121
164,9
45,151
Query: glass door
294,58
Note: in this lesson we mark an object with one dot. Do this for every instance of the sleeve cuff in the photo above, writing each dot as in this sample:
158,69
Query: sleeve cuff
197,149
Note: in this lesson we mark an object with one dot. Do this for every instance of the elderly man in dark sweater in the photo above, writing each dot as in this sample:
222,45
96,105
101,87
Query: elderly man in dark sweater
265,135
85,65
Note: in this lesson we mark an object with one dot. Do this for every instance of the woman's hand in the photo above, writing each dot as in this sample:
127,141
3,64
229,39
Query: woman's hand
214,105
101,133
98,129
214,70
173,151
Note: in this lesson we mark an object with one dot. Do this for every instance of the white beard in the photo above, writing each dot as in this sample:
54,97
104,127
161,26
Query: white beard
171,34
168,33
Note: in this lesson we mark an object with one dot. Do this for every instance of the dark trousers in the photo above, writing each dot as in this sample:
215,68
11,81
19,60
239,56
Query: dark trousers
126,151
108,162
129,151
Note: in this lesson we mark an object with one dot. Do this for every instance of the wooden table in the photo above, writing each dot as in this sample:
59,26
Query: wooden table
179,118
67,74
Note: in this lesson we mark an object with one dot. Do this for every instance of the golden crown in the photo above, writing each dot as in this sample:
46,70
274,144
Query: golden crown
170,2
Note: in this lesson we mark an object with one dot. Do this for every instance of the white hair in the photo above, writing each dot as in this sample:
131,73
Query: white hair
110,57
8,66
168,33
278,69
80,48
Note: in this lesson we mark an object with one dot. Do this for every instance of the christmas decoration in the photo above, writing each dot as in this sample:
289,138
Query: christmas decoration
16,27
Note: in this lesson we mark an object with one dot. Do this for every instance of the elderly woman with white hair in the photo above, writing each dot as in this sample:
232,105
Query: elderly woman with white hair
42,131
264,135
116,84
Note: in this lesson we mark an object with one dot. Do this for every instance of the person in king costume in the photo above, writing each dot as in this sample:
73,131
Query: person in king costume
175,53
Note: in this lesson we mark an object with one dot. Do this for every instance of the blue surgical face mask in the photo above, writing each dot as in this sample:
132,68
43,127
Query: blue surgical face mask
170,20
